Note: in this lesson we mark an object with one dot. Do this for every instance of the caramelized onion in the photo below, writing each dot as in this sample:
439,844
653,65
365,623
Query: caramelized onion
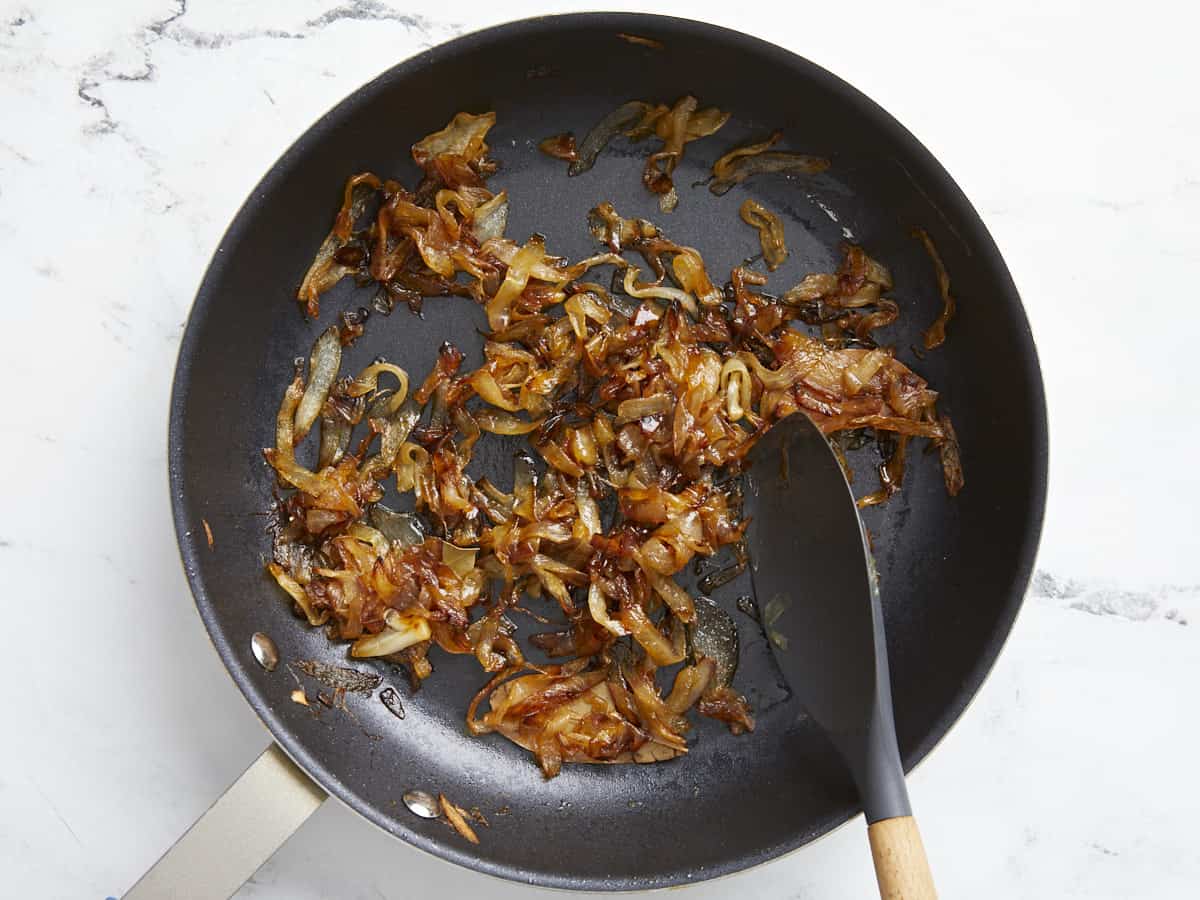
770,232
642,41
500,422
368,381
560,146
643,292
641,402
402,631
763,162
462,138
323,367
723,167
325,270
643,407
935,334
675,126
620,119
951,461
490,218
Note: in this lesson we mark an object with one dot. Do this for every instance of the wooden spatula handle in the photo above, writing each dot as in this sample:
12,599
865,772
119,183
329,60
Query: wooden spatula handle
900,864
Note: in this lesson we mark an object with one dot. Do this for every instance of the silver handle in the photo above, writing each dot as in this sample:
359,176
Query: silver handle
237,834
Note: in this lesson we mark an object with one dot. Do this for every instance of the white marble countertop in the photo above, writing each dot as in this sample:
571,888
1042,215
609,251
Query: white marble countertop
131,130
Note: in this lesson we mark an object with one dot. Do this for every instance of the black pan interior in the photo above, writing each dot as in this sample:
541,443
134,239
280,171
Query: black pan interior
953,572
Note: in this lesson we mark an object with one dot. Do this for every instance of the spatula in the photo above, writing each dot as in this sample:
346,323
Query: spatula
818,596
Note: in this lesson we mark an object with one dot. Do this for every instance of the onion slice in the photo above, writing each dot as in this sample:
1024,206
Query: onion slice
368,382
463,137
617,121
770,232
662,292
489,219
323,367
402,631
764,163
935,334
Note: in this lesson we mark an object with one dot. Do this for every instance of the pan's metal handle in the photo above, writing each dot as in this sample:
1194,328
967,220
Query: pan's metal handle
237,834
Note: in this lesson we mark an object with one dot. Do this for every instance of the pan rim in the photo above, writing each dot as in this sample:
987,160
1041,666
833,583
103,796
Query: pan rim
978,238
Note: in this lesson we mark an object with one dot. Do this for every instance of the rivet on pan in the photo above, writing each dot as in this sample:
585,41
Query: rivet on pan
422,804
265,651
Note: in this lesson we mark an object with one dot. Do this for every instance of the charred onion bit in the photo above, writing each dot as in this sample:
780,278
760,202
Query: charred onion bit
639,401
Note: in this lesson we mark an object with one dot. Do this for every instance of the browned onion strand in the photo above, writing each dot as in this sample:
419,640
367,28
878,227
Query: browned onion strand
616,122
758,158
675,126
723,167
456,817
641,41
770,232
766,163
643,402
326,269
852,298
935,334
891,470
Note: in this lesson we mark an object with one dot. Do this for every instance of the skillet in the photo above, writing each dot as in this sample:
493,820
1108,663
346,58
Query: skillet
953,572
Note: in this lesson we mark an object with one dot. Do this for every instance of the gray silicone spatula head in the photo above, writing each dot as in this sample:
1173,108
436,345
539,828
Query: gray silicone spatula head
818,597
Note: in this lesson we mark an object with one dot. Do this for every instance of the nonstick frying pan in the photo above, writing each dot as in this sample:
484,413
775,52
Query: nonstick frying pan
953,572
